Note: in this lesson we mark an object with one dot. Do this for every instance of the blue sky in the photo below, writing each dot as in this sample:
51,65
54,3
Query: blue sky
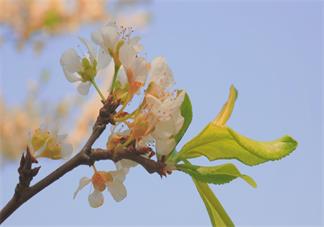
270,50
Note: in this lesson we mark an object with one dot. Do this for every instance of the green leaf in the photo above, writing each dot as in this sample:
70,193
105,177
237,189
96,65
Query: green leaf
227,109
186,112
216,142
217,213
220,174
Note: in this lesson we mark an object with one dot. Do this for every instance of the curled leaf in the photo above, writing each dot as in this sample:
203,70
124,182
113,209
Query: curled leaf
227,109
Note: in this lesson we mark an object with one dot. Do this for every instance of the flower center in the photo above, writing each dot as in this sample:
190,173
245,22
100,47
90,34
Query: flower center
89,70
100,179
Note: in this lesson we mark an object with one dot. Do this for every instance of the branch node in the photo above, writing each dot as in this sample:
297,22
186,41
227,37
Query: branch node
106,113
26,172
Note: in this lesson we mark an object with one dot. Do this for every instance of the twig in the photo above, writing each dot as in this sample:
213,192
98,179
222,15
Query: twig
87,156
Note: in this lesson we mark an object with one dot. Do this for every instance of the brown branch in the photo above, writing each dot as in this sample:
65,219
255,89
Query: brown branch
87,156
27,192
150,165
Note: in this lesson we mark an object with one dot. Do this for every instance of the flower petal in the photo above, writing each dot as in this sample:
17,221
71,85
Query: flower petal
96,199
71,77
171,105
127,55
140,70
83,182
180,98
178,121
83,87
109,35
107,74
90,47
97,38
134,42
125,163
165,146
160,73
117,190
120,174
164,129
106,37
71,61
103,59
153,103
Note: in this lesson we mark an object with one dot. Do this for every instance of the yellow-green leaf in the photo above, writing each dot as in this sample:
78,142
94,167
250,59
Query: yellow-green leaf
227,109
216,143
220,174
216,212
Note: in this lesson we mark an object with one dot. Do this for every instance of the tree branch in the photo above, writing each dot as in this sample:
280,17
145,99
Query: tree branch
150,165
87,156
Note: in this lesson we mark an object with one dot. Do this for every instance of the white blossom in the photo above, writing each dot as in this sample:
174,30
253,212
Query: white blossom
112,180
135,67
82,70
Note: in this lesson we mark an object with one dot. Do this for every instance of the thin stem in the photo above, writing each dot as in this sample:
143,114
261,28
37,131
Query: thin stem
122,119
115,76
98,89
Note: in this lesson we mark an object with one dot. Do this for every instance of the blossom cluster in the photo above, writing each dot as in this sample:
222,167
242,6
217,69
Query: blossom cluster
154,123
